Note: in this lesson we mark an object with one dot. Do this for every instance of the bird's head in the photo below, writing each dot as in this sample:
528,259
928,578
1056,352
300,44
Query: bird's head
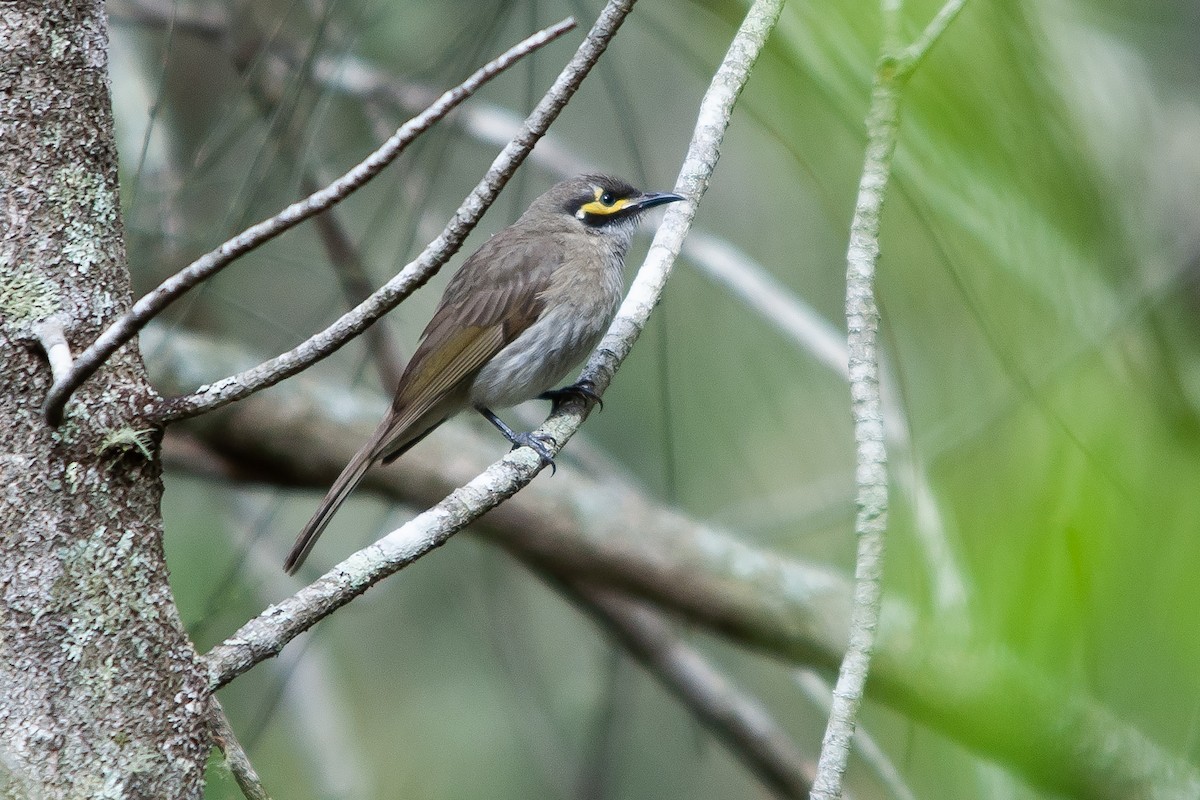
599,202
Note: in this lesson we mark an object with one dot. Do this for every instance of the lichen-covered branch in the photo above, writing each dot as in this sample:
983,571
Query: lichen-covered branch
148,307
414,275
866,404
264,636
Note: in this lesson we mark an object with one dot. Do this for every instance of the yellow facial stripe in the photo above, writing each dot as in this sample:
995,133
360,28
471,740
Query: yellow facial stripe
600,209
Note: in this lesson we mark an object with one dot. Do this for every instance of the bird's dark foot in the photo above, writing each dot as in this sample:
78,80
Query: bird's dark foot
583,390
531,440
539,445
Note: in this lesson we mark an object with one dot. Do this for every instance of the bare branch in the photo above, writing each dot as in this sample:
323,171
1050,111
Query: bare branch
871,475
265,636
145,309
739,720
435,254
916,52
818,691
862,319
235,756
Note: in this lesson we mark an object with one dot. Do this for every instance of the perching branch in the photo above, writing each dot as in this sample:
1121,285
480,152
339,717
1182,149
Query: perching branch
264,636
916,52
213,396
128,325
862,324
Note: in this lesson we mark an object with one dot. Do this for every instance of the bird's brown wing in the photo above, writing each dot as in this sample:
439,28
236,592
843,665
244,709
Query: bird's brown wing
489,302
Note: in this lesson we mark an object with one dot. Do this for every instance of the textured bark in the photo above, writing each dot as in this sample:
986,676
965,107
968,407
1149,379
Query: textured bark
100,694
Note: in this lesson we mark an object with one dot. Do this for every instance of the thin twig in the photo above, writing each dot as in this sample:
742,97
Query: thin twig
862,324
235,756
356,287
265,635
916,52
226,391
862,318
736,718
145,309
870,751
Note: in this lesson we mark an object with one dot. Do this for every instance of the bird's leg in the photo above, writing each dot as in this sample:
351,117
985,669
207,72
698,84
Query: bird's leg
583,390
530,440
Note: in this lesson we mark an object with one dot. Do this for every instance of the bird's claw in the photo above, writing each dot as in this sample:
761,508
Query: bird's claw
583,390
537,444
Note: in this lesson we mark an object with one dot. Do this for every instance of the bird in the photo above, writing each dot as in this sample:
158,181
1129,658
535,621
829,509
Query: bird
523,309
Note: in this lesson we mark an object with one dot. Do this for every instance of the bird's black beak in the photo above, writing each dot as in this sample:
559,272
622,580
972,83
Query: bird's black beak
652,199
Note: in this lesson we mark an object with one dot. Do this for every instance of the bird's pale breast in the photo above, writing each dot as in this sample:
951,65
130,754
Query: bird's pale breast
579,305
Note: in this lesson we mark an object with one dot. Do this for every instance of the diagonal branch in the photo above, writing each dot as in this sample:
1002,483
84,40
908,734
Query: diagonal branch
128,325
236,387
265,636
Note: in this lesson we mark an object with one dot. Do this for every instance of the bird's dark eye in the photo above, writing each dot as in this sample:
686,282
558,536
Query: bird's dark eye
607,199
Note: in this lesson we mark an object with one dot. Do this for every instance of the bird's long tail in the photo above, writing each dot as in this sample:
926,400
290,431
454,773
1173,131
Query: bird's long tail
345,483
392,439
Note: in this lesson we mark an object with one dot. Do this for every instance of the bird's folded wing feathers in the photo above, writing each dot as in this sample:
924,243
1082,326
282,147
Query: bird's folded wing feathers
472,324
458,357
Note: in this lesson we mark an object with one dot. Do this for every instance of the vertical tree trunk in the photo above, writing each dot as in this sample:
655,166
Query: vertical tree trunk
101,694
